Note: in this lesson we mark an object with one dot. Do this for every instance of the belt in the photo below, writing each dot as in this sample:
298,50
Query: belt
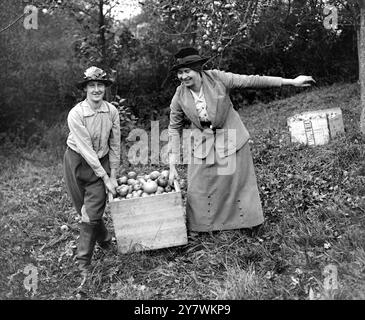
69,149
206,124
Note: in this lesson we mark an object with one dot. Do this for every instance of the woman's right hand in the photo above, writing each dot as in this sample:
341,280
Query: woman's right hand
173,175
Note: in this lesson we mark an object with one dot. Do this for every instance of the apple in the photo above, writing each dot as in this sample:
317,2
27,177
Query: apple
154,175
162,181
141,180
122,190
137,186
131,181
132,175
64,228
150,187
122,180
165,173
160,190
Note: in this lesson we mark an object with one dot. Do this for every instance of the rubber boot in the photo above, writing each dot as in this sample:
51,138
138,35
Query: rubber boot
104,238
88,234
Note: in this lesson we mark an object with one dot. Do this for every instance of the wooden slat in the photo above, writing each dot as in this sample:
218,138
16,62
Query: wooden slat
163,239
149,223
150,226
145,219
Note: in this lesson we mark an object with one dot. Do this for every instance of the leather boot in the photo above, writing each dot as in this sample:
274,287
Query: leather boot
104,238
88,234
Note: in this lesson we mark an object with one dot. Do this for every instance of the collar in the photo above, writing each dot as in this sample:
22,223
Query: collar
88,111
200,96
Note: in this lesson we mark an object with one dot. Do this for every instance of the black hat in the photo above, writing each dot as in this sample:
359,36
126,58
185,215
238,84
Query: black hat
186,57
94,74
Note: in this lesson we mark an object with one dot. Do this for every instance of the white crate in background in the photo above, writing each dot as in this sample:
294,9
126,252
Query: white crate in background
315,127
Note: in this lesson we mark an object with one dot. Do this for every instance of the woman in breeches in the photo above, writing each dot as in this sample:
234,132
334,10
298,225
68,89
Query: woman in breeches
91,161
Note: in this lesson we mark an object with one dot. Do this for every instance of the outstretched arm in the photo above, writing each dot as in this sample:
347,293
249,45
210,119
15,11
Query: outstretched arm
233,80
300,81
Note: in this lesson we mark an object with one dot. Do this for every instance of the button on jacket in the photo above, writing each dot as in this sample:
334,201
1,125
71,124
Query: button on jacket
95,133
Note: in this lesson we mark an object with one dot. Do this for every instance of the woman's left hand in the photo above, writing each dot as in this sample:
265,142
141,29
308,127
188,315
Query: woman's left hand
114,182
303,81
113,179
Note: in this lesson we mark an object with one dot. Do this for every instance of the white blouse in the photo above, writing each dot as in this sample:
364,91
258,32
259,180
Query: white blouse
200,105
95,133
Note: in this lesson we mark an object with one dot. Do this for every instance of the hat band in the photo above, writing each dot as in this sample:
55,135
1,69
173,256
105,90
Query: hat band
186,59
95,79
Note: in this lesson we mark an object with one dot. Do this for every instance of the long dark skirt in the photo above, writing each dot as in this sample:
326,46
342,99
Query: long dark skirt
220,201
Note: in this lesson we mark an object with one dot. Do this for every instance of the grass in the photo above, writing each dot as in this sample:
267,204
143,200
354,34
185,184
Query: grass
314,203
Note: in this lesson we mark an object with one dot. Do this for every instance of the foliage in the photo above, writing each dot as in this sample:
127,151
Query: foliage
251,37
278,38
127,119
208,24
38,74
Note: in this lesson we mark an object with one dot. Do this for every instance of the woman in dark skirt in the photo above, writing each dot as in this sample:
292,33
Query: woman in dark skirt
91,161
222,189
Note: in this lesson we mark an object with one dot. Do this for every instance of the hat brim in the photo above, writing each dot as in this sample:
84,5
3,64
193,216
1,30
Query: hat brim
81,85
187,64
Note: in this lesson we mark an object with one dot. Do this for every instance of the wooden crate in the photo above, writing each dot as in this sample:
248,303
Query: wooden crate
149,223
316,127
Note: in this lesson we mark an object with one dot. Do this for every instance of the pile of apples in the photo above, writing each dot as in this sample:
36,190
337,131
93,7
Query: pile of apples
133,185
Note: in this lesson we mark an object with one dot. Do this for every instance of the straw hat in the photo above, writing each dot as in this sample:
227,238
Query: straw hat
94,74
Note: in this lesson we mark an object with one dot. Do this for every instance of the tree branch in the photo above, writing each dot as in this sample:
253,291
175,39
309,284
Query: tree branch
12,23
111,8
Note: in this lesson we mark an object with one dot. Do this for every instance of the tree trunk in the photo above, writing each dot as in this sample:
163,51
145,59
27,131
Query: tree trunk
103,61
361,53
102,32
